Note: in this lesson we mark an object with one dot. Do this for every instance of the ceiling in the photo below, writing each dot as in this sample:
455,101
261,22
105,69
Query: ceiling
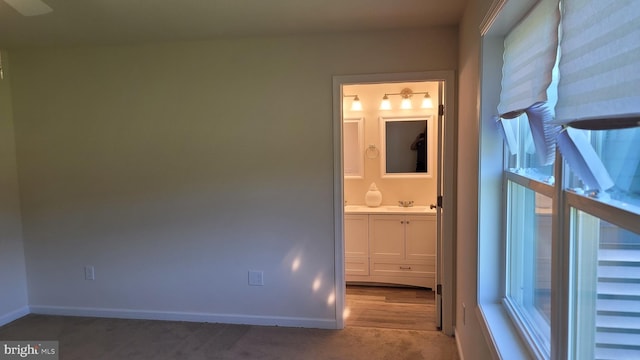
77,22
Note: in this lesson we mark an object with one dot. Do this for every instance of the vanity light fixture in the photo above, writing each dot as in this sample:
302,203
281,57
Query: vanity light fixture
406,94
405,104
356,105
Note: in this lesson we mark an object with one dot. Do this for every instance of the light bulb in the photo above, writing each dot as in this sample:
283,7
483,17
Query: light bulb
406,103
356,105
426,102
385,104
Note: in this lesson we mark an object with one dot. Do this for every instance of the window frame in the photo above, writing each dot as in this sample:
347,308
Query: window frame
601,211
496,322
521,321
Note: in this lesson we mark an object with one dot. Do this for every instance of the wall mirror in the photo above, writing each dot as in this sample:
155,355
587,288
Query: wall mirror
353,137
406,146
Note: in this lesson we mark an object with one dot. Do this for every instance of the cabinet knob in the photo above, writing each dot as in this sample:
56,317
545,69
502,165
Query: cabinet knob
401,221
407,221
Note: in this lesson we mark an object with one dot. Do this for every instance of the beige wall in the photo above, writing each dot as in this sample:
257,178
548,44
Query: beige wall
176,168
468,331
421,190
13,281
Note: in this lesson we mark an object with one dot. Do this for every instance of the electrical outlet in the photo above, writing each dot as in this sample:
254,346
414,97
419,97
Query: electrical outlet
89,273
256,278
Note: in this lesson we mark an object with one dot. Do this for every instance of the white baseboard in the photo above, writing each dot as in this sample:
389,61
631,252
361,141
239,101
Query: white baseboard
460,354
14,315
186,316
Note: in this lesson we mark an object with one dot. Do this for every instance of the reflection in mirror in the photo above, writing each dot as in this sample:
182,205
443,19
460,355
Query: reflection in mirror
352,132
405,146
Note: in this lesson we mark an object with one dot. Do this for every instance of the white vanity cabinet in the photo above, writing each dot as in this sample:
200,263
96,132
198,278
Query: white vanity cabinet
403,249
356,245
391,248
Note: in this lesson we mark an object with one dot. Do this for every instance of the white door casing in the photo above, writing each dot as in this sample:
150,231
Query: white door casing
446,188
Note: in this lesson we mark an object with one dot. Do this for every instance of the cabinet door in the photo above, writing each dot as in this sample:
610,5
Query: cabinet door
386,235
356,235
420,237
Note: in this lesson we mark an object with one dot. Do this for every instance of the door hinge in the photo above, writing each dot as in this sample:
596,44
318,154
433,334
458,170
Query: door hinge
439,201
441,110
439,289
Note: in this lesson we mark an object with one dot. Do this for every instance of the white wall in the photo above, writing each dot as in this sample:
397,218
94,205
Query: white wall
13,280
468,331
421,190
176,168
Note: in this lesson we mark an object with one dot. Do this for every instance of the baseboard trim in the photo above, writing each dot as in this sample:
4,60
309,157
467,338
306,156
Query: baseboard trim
186,316
460,354
14,315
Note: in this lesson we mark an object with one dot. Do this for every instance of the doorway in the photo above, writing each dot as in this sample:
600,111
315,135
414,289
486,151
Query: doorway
390,307
421,183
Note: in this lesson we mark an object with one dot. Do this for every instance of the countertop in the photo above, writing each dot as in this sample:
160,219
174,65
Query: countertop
389,209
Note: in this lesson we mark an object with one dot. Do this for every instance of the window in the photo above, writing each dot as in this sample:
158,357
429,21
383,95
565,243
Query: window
524,160
606,252
606,304
529,260
600,95
527,100
571,219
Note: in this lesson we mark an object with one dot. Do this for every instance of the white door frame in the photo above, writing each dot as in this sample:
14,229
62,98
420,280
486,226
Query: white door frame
446,257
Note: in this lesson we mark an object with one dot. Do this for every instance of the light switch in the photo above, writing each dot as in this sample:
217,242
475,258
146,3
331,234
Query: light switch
89,273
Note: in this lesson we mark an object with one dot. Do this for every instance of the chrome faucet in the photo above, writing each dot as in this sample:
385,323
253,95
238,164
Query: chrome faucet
405,203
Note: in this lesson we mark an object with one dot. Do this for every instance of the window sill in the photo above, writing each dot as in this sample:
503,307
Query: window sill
500,333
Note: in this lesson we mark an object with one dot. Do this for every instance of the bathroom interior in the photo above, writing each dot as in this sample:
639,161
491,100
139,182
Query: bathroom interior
390,140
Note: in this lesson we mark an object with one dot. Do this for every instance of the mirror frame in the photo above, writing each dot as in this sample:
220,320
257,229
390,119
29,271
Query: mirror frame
430,147
359,174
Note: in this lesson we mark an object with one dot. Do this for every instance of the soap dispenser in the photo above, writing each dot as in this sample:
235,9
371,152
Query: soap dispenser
373,197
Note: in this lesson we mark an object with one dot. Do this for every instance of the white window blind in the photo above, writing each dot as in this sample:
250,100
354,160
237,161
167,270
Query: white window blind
506,131
529,57
579,154
600,64
529,81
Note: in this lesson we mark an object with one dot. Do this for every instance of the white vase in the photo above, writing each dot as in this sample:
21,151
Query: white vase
373,197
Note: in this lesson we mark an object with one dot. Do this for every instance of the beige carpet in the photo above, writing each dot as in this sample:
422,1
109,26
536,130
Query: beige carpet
97,338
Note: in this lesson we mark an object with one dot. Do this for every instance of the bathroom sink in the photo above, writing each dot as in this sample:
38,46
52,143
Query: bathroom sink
393,207
407,209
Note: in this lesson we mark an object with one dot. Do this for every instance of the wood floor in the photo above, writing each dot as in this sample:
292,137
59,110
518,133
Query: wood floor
390,307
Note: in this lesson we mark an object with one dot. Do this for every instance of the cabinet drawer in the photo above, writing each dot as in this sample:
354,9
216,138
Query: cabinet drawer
356,266
391,268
